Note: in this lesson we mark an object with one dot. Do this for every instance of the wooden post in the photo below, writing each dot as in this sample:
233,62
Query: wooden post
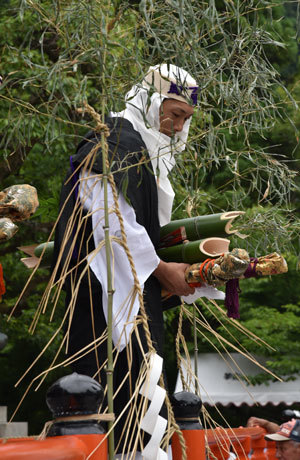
186,408
75,433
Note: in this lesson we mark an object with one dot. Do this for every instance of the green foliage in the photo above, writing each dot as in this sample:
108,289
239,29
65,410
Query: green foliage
15,358
270,309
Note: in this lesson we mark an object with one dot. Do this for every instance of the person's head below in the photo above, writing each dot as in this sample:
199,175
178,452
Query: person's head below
178,96
161,106
287,440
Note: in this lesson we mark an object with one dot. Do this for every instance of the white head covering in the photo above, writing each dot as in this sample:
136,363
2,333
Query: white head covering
142,110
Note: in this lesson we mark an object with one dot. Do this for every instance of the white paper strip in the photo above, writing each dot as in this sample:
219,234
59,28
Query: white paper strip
149,420
151,450
153,423
153,376
162,455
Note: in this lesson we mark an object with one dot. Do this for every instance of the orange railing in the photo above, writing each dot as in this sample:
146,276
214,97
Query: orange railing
244,442
72,447
201,444
218,443
68,406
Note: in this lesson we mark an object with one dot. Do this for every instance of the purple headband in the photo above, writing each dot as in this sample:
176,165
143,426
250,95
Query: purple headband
175,89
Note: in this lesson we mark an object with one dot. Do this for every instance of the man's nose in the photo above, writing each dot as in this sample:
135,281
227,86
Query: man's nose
178,126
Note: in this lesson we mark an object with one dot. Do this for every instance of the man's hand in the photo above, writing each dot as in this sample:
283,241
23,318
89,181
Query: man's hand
171,276
270,427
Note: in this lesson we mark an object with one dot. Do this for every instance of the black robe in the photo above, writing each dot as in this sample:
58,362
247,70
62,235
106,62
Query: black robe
138,184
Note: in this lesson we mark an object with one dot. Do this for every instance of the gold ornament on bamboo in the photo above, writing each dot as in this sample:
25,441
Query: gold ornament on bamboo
216,272
7,229
18,202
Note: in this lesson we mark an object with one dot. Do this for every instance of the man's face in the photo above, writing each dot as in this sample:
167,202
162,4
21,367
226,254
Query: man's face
172,116
288,450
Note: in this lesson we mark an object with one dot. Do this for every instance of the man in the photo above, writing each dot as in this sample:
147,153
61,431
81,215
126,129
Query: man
142,144
287,439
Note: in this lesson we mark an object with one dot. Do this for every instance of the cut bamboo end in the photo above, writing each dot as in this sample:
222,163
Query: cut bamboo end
30,262
29,250
214,246
230,216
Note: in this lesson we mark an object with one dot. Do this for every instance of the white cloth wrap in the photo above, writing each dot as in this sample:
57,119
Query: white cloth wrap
125,308
207,291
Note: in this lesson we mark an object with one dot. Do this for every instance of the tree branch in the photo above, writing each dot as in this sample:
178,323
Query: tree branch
12,164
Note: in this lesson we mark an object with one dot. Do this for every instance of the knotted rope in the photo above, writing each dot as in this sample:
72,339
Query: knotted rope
102,127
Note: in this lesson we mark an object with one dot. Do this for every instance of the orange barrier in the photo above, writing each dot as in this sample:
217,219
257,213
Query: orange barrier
72,447
242,447
258,446
271,450
195,445
218,445
244,442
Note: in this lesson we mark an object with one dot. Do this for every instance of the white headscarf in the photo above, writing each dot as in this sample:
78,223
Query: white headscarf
142,110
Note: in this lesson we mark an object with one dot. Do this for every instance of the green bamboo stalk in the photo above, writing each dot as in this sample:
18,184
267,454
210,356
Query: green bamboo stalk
194,251
46,251
201,227
109,368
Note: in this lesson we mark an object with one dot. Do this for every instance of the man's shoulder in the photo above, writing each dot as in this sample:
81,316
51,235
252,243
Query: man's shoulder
122,137
125,144
123,134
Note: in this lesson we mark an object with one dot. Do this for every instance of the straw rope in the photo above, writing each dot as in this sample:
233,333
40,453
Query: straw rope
132,266
177,348
144,315
74,418
101,127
